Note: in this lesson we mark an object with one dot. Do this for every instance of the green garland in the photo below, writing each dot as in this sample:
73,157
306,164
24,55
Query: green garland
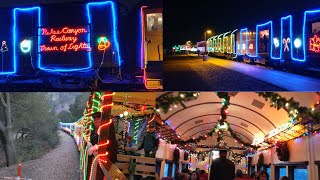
291,106
164,102
216,129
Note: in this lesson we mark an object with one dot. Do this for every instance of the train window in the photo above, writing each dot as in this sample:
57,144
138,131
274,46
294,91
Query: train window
316,28
280,171
300,173
158,166
166,170
267,169
174,169
154,22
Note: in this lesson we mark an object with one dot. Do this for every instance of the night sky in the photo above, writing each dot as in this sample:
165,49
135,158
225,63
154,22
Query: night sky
186,20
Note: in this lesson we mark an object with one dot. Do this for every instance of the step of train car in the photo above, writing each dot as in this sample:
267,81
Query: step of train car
154,75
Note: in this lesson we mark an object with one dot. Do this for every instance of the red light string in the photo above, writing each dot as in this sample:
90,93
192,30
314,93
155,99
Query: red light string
99,157
102,126
108,105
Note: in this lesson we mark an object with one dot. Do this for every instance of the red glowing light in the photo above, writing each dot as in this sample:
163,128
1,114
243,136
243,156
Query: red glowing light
104,144
108,123
314,44
108,95
103,44
65,30
108,105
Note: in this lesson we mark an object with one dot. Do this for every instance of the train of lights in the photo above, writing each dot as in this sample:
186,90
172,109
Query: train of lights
293,40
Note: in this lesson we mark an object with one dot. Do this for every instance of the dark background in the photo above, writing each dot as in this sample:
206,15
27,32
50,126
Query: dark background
186,20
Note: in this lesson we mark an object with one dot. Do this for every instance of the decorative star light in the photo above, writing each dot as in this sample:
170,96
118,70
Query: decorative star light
314,44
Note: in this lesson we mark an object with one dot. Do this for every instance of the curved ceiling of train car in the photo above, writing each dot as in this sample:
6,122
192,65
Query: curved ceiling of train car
248,114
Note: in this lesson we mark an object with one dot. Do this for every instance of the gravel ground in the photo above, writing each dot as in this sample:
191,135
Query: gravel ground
61,163
189,73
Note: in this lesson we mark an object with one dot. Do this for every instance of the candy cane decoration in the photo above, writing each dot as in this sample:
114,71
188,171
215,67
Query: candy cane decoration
286,46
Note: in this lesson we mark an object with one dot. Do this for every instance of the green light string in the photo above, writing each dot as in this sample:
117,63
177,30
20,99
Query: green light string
95,106
136,130
96,102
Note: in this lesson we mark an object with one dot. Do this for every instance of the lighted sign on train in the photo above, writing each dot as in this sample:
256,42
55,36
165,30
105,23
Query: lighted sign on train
64,39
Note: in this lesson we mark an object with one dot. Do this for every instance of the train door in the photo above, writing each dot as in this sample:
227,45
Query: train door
263,46
312,42
7,65
153,47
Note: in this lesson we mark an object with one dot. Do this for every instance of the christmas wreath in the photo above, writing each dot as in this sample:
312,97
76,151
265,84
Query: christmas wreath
260,160
282,151
186,156
176,156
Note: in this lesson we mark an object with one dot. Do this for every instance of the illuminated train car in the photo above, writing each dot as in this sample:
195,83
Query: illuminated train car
291,42
80,43
152,45
200,47
222,45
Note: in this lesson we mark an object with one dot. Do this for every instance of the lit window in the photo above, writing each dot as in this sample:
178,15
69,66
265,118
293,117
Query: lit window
154,22
282,171
300,173
166,170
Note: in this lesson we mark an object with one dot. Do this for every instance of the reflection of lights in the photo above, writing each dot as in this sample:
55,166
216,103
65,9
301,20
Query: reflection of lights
126,113
276,42
25,46
297,43
121,115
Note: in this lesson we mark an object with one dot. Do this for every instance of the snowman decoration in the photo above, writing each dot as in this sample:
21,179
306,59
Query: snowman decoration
4,46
